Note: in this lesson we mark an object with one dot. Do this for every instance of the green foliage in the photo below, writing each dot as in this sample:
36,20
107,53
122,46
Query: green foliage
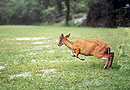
101,12
22,12
123,18
78,6
36,11
49,15
108,13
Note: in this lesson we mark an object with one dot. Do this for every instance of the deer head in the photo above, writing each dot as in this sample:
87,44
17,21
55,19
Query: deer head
62,38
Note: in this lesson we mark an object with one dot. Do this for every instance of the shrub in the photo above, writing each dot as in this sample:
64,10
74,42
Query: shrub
108,13
101,14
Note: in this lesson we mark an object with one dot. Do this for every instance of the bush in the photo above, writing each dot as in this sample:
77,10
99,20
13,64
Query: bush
123,17
101,15
108,13
49,15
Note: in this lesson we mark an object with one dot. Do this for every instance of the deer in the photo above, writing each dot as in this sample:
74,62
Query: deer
88,47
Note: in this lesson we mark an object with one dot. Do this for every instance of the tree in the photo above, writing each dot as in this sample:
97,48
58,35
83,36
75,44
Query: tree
59,6
109,13
38,11
67,4
101,14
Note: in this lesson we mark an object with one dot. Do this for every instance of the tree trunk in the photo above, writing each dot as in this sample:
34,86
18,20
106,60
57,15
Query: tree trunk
67,3
59,6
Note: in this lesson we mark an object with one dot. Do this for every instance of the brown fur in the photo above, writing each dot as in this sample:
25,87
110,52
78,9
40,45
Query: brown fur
88,47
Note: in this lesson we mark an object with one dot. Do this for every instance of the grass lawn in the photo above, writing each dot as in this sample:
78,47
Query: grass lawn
31,60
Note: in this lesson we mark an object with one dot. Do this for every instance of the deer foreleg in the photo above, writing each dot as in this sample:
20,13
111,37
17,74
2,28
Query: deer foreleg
73,54
77,53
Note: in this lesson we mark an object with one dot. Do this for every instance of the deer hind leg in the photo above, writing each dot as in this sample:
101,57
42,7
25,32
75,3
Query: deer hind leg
112,56
77,51
103,53
107,63
109,56
104,56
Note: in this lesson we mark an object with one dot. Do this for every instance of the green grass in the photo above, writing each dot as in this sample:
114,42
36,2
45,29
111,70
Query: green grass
41,65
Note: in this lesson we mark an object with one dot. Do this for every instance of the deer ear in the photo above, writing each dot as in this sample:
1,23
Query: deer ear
62,35
67,36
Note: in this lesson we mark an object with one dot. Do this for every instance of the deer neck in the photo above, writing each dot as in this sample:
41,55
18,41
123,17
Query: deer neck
68,43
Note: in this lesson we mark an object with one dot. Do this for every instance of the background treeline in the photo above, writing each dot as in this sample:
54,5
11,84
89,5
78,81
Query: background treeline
100,13
109,13
37,11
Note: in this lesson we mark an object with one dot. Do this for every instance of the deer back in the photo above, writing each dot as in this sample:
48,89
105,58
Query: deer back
88,46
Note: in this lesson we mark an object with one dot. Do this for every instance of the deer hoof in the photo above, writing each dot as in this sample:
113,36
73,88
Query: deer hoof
73,56
109,65
82,59
105,68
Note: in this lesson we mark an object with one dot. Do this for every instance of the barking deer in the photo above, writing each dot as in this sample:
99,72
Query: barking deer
88,47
